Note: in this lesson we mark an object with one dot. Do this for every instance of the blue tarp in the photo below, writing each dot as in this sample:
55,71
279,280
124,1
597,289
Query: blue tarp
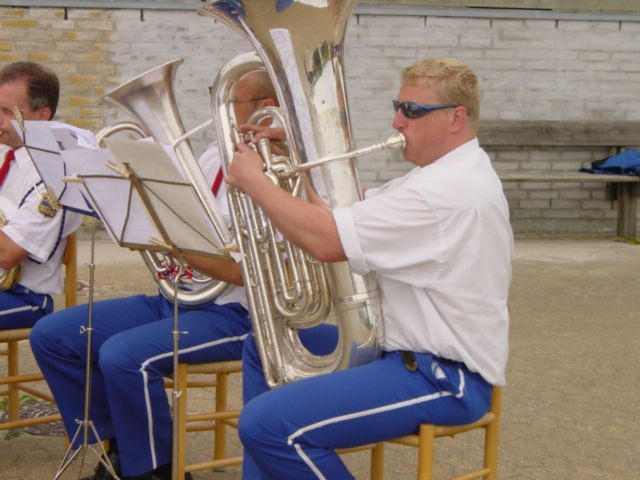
625,163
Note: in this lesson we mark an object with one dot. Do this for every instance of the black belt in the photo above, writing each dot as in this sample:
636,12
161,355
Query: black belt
409,359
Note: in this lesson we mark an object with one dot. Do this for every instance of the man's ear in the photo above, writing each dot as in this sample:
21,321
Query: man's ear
43,114
460,118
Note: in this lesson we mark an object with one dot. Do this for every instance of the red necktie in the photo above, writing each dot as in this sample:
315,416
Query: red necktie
4,170
216,183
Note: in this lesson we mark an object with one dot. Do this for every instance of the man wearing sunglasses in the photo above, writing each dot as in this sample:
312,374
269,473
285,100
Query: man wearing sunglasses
439,241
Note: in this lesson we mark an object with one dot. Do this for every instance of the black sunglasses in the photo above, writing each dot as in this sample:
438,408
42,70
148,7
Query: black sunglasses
413,110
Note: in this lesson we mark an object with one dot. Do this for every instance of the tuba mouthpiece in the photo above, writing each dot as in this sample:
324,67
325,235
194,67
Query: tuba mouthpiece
396,140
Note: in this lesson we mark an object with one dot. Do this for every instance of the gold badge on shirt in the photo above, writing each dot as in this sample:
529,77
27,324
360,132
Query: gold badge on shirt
48,205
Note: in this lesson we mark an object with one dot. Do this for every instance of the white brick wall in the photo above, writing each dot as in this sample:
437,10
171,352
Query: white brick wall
529,69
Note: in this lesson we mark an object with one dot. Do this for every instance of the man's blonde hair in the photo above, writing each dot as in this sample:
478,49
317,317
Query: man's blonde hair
453,81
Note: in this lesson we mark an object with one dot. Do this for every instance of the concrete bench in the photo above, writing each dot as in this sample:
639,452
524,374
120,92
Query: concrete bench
534,134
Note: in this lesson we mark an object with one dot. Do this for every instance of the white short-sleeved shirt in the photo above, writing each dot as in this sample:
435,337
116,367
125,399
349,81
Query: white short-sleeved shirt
35,226
210,163
439,242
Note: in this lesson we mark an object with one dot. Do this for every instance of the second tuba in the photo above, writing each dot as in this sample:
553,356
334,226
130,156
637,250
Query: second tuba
150,100
300,44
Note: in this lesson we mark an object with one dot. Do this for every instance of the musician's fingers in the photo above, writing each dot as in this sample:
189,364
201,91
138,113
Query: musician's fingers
271,133
259,132
246,128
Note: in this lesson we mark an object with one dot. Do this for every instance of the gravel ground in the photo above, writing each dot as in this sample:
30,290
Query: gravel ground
570,409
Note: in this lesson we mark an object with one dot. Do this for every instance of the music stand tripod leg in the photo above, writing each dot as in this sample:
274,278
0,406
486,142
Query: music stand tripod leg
177,386
86,424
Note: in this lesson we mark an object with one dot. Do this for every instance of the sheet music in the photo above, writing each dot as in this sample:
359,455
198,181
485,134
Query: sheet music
112,197
171,203
144,201
49,145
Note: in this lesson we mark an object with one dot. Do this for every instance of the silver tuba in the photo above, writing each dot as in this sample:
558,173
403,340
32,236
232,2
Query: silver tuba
150,100
300,44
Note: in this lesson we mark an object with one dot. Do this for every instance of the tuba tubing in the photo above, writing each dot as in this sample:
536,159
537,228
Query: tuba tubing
394,141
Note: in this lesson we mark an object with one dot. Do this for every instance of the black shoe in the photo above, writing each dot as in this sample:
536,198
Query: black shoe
160,473
101,472
164,473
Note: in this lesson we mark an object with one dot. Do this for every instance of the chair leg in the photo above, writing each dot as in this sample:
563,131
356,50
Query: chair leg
70,261
181,408
13,369
220,445
217,420
492,433
377,461
426,444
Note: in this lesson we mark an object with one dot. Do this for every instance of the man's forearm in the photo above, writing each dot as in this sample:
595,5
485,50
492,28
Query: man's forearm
224,270
308,226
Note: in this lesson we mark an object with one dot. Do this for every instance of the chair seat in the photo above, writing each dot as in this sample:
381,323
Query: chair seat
424,441
229,366
445,431
14,335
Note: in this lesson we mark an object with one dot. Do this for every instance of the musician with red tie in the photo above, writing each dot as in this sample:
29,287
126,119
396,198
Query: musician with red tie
33,232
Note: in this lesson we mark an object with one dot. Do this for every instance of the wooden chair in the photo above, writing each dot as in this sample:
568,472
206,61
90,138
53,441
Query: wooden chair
424,440
216,420
15,383
221,417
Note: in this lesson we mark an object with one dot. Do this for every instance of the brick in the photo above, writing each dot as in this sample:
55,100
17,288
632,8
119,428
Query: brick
80,102
80,79
13,12
9,57
21,23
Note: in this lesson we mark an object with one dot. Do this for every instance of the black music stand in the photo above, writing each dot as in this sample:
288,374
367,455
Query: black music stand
136,189
145,204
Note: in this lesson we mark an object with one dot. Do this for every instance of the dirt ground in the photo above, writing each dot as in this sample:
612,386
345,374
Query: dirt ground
571,409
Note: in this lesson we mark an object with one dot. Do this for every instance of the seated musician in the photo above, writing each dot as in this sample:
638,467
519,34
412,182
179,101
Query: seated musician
33,232
438,240
133,344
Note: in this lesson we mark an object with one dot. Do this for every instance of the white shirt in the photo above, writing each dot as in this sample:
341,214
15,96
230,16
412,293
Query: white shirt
210,163
35,226
439,242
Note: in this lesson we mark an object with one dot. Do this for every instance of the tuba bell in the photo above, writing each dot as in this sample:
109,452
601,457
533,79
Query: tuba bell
301,47
150,100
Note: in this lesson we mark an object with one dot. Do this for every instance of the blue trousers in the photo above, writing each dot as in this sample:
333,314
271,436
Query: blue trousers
291,432
132,353
22,308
